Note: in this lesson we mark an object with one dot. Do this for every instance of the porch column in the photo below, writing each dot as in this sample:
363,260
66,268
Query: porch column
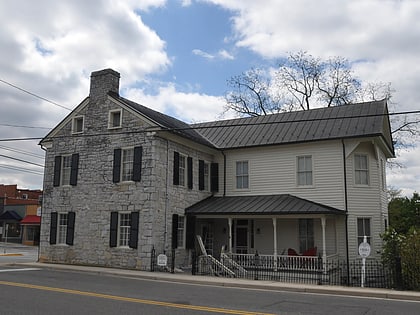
275,242
230,235
324,247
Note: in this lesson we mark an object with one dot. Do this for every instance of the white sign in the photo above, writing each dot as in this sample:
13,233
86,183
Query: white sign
364,249
162,260
38,211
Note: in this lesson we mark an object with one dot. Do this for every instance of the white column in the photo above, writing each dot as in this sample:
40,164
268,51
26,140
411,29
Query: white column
275,242
324,246
230,235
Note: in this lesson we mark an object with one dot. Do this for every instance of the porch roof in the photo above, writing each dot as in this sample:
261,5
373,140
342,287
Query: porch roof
263,204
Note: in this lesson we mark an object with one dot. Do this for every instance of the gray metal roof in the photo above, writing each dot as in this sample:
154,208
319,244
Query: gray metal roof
265,205
338,122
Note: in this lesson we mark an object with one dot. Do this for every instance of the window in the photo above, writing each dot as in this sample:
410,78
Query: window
206,175
62,228
115,119
363,229
304,170
127,164
124,229
181,230
124,225
77,124
242,178
361,171
66,169
383,174
183,170
306,234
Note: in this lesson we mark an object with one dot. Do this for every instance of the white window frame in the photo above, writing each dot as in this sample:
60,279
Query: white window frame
361,234
111,119
181,231
65,170
358,170
182,170
124,229
306,234
62,222
127,161
206,176
74,124
305,171
242,175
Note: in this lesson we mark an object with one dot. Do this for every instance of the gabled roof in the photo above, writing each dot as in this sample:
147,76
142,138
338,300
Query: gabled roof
338,122
259,205
164,121
10,215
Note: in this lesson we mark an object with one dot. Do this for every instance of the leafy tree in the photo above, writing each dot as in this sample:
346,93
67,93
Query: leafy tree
404,213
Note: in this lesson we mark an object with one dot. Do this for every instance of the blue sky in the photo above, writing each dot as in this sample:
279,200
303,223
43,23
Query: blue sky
175,56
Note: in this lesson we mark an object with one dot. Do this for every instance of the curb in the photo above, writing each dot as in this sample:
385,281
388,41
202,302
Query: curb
238,283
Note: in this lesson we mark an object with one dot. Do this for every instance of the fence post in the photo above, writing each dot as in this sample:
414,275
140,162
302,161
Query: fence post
256,265
398,273
173,261
193,262
152,259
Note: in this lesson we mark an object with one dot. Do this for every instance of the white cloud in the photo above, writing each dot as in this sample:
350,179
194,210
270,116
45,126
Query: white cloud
225,55
188,107
199,52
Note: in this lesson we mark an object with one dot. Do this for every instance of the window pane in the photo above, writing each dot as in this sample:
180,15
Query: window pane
124,229
182,170
242,179
127,164
62,228
206,176
65,170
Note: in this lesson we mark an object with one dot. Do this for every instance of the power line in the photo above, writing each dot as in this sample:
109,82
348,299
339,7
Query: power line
20,160
35,95
212,125
20,169
20,126
21,151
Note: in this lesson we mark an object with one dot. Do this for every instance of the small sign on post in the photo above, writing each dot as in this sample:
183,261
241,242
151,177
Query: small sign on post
162,260
364,252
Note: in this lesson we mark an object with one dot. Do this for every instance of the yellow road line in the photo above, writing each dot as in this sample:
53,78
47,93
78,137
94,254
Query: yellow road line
133,300
11,255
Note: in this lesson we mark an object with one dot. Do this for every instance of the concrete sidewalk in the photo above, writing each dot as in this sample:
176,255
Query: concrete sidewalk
238,283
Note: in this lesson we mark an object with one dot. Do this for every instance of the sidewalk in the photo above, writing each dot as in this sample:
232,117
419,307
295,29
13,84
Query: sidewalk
239,283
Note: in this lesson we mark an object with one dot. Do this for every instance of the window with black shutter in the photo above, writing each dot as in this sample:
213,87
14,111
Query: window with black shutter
138,153
53,228
174,231
57,170
190,172
74,169
134,230
70,228
214,177
116,170
113,235
176,168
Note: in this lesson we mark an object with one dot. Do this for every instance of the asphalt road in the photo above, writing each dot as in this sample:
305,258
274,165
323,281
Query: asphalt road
45,291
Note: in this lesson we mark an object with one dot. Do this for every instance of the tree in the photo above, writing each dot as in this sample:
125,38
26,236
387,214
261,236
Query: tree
404,213
302,82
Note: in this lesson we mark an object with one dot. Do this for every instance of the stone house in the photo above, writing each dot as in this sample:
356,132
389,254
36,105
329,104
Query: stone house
122,180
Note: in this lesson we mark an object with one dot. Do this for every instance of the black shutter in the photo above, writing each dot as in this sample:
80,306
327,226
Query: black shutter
70,228
174,231
214,177
176,168
190,172
134,230
190,237
138,152
74,169
116,174
53,228
57,170
113,229
201,175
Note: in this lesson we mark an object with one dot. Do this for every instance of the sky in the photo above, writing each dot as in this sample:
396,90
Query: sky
176,57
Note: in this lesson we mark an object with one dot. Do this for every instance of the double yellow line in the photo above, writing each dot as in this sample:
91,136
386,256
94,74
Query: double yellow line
132,300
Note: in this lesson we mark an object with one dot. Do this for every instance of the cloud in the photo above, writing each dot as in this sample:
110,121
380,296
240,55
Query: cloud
220,55
199,52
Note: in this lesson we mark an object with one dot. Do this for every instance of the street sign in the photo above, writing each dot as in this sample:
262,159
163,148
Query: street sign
364,249
162,260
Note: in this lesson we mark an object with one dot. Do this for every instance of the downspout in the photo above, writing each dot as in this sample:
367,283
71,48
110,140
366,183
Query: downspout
165,237
347,210
43,191
224,173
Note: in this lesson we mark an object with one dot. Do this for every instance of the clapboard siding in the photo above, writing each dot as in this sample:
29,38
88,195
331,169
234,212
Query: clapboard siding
272,170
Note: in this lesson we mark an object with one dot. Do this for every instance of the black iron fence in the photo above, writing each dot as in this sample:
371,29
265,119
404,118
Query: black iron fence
374,274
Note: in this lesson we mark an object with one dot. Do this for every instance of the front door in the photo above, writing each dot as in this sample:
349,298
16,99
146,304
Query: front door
241,237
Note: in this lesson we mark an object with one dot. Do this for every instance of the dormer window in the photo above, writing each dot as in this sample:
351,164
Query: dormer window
115,119
78,124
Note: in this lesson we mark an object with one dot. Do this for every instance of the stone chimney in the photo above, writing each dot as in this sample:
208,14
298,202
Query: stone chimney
102,82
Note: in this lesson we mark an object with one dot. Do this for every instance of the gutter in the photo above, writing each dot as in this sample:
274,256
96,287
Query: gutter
346,210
